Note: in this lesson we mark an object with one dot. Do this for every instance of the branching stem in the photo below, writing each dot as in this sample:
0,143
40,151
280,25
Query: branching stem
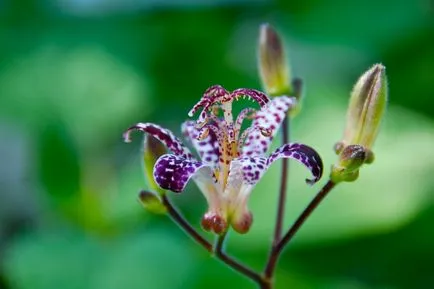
240,268
185,225
277,250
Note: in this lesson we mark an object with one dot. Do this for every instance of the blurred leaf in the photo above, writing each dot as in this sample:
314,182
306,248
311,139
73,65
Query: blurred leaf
53,260
59,168
154,260
72,260
87,88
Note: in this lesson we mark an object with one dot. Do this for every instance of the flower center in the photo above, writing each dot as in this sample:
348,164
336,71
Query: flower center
227,131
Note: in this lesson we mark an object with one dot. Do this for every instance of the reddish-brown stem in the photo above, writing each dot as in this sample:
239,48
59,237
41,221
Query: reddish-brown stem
283,184
240,268
277,250
184,224
219,250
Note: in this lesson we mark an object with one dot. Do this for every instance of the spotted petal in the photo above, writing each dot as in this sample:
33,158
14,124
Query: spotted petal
163,135
172,172
269,118
245,172
251,169
208,147
304,155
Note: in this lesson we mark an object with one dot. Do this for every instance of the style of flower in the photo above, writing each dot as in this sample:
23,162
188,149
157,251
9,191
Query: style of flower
231,160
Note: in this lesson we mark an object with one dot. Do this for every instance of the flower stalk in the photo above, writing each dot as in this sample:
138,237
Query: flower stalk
275,76
231,160
240,268
277,250
185,225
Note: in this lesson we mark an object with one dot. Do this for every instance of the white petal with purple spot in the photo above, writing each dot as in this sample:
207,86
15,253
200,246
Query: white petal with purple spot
208,147
304,155
173,172
269,118
163,135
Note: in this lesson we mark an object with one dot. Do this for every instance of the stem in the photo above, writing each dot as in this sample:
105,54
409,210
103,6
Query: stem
277,250
184,224
283,184
219,252
240,268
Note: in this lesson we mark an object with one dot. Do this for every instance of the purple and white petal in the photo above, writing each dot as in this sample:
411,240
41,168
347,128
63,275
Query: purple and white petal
207,147
173,172
304,155
244,173
163,135
268,119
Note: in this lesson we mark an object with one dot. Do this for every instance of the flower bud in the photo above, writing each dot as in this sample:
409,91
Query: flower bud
273,67
152,150
152,202
366,108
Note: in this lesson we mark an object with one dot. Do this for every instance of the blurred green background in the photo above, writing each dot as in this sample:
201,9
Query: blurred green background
75,73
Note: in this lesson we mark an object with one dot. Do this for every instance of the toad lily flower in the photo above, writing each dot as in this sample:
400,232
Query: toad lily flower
231,161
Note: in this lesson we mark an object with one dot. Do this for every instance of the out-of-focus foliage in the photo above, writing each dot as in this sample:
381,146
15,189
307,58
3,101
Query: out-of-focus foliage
74,74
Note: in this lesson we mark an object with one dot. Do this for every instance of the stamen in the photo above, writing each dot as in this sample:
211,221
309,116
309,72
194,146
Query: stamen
216,130
242,116
203,133
242,138
267,132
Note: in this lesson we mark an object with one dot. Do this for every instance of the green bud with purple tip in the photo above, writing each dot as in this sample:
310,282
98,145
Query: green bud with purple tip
274,68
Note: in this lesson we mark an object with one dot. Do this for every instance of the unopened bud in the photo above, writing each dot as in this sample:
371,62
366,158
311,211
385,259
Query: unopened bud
297,92
366,108
273,67
152,150
152,202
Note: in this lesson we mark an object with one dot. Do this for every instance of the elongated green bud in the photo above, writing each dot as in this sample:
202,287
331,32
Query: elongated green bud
366,109
152,150
273,67
152,203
